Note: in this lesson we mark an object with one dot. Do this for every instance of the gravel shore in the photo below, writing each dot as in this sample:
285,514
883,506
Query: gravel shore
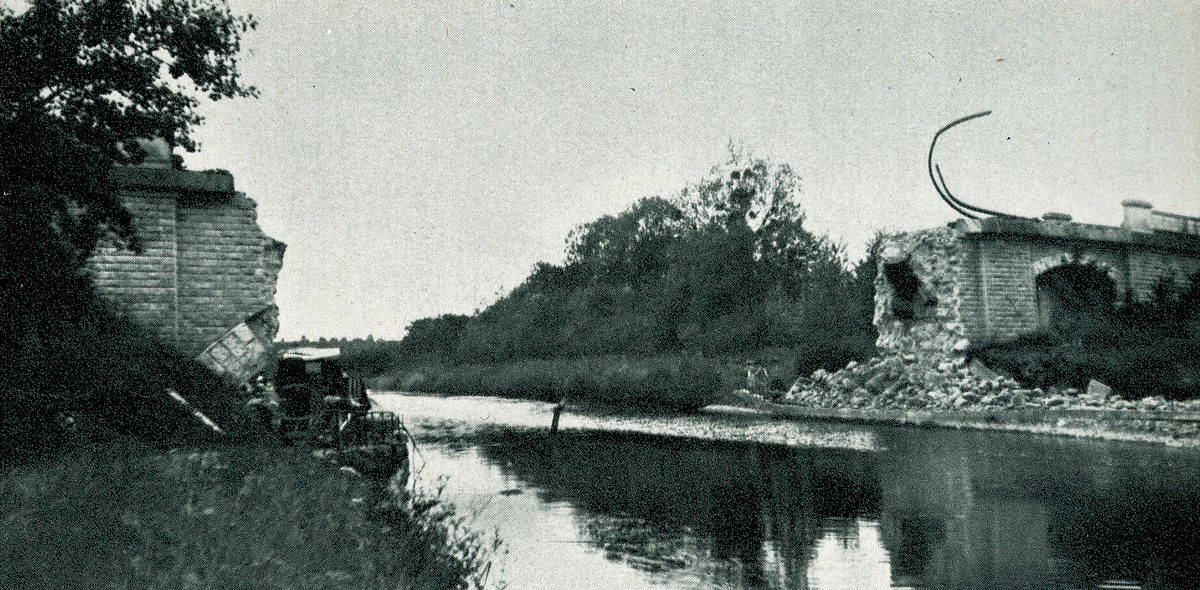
440,417
433,416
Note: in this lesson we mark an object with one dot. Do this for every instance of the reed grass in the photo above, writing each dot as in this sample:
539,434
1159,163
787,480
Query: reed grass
124,515
681,382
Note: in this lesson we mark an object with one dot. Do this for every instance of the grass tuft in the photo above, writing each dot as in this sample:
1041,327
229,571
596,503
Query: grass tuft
124,515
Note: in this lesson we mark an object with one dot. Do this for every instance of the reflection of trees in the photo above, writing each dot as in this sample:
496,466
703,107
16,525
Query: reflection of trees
714,511
955,509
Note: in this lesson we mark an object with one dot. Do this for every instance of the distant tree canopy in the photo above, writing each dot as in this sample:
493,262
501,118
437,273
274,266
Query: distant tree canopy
112,71
80,82
725,266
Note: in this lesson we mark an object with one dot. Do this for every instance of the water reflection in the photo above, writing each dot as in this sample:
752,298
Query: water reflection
936,509
752,510
981,510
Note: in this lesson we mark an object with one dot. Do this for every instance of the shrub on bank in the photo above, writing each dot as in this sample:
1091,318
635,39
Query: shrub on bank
1136,363
672,382
121,515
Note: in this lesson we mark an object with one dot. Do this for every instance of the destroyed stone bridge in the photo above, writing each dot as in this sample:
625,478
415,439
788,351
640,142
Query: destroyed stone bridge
980,281
205,280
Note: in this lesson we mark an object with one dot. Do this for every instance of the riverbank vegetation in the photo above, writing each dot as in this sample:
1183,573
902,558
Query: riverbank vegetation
123,514
677,382
657,303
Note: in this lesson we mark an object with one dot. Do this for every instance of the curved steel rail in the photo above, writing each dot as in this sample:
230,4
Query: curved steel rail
963,208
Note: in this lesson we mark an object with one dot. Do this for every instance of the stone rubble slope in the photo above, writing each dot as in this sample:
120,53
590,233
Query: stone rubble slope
900,382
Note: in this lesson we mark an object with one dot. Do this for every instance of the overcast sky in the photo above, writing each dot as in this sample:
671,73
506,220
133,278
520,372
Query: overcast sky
419,159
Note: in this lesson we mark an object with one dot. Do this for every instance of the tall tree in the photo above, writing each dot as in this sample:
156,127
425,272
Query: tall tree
628,247
748,195
116,70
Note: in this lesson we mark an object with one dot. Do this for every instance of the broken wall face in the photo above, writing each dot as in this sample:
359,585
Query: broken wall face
206,265
919,296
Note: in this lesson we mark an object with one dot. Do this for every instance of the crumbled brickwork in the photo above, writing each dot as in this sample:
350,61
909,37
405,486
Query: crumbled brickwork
942,290
978,279
206,265
937,329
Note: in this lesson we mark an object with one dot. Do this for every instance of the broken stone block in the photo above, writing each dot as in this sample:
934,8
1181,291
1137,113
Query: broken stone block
877,383
981,370
1017,399
1098,390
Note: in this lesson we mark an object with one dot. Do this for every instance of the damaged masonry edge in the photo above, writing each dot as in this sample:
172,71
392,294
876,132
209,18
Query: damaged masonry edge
205,278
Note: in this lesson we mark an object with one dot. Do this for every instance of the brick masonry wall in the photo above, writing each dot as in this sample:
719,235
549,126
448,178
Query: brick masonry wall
143,286
1148,266
225,268
971,290
206,266
1009,298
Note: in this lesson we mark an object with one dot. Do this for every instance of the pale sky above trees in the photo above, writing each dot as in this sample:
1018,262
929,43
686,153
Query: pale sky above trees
419,159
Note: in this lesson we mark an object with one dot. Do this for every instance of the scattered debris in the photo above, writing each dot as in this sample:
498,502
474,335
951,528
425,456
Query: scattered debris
952,384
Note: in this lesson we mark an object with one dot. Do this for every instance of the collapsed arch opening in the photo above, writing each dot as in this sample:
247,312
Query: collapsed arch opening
1075,298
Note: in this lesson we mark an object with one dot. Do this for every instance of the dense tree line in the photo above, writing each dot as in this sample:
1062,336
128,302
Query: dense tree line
725,267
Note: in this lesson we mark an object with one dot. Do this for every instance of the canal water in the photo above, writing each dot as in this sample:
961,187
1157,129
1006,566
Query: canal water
740,501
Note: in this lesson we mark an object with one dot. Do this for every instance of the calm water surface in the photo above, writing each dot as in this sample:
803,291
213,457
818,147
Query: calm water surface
899,508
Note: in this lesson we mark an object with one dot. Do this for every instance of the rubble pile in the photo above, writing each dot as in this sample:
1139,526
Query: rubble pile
902,383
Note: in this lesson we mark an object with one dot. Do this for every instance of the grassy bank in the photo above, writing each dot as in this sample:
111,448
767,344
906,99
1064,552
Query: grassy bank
125,515
111,376
672,382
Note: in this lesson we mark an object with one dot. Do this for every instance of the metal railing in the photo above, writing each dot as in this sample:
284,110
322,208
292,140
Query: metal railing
372,428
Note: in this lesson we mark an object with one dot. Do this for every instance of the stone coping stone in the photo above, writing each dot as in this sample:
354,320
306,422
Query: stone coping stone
159,179
1060,230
